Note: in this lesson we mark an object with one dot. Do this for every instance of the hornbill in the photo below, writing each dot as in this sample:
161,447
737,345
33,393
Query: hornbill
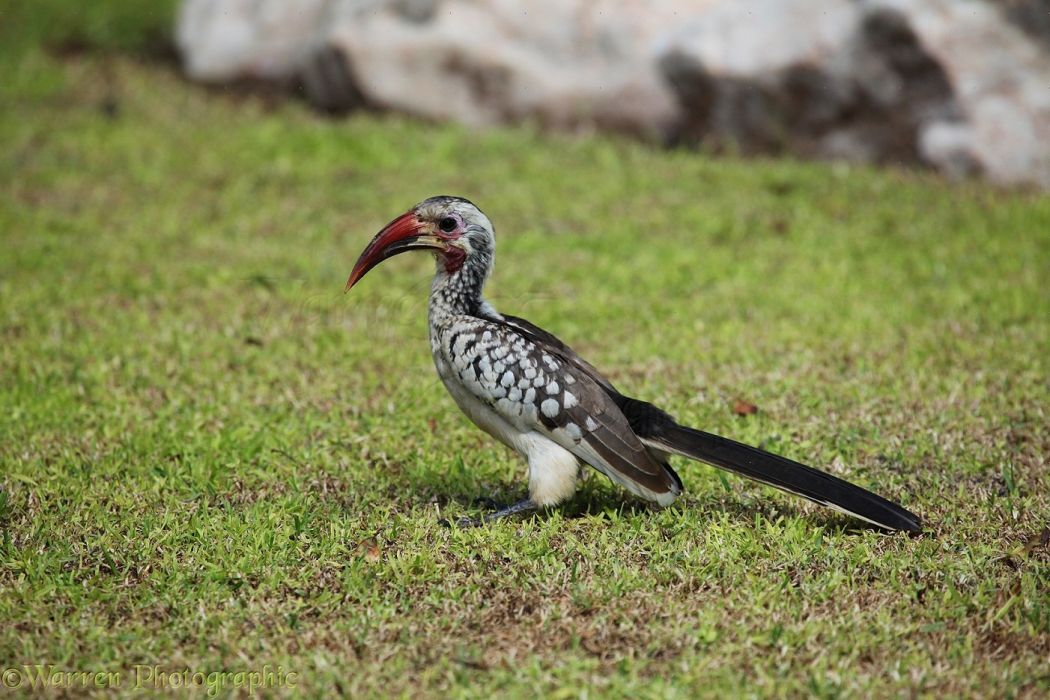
530,391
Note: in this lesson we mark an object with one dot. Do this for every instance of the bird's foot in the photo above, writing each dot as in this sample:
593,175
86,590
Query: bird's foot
523,506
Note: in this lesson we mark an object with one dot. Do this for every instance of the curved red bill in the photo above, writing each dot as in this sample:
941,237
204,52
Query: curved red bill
401,230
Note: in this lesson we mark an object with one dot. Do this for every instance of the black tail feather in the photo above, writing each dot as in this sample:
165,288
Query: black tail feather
788,475
659,430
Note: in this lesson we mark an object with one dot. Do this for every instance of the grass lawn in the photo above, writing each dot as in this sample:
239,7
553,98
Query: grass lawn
211,459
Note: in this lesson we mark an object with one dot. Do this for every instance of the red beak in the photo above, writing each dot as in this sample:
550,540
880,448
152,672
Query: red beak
401,235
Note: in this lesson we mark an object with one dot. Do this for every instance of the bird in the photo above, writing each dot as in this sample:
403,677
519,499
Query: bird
532,392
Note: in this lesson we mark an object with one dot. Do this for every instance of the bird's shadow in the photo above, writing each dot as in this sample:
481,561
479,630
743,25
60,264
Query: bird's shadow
477,499
594,500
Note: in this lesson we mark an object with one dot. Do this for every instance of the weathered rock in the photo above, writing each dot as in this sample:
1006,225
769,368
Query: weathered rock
561,64
257,39
1030,16
955,84
847,85
1000,78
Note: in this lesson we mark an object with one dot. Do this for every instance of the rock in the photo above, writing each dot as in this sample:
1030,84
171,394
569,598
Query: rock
849,84
960,85
222,40
949,83
1030,16
948,145
329,82
564,65
1000,78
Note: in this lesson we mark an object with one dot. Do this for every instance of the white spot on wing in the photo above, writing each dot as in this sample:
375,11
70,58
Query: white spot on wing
590,424
569,400
553,388
549,408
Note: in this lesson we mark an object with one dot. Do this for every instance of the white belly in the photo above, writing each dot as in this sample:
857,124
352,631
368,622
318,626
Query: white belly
481,414
553,470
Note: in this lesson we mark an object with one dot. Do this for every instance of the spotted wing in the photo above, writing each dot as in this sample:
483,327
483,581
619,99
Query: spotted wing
530,385
554,345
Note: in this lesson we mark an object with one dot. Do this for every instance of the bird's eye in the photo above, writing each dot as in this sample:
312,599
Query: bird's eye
448,224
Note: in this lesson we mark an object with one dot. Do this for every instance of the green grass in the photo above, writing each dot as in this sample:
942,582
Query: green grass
142,26
212,459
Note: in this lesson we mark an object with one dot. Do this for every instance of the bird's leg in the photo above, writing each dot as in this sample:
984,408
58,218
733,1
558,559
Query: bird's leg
525,505
522,506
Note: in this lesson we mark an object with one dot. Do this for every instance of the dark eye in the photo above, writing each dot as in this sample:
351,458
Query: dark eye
448,224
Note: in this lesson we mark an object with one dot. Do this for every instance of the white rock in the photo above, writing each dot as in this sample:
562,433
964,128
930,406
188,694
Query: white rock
951,83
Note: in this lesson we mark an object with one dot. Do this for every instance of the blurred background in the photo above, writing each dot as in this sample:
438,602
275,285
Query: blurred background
960,86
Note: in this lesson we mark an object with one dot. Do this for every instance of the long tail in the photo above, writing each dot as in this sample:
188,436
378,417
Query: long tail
659,430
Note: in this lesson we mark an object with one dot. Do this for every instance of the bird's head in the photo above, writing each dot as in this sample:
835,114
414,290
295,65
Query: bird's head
451,227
